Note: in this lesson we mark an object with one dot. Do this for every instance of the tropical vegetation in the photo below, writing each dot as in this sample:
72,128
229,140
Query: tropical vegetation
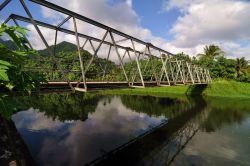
222,67
24,69
13,61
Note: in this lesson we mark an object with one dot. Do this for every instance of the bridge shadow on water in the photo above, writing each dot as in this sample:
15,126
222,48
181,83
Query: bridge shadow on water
158,146
162,144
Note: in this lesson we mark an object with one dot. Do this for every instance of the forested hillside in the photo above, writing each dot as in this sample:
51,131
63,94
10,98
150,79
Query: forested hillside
65,65
61,47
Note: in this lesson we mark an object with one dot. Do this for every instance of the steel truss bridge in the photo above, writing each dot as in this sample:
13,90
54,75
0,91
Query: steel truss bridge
125,48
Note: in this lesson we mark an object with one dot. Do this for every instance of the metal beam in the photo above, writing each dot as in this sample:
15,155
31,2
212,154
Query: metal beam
64,21
5,3
138,64
58,26
122,40
35,25
190,72
164,68
79,55
119,56
154,69
179,68
93,22
96,51
7,20
46,25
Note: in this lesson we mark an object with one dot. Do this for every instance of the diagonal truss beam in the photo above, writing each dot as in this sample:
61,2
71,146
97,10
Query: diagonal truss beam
5,3
93,22
35,25
180,70
46,25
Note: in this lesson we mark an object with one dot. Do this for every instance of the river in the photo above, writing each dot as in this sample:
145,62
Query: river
85,128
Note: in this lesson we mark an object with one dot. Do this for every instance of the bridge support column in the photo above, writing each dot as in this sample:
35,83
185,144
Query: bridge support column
79,55
153,67
190,72
164,71
138,65
210,79
179,71
119,56
197,74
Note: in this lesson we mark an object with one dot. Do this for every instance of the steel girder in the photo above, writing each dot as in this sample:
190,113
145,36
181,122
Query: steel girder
146,62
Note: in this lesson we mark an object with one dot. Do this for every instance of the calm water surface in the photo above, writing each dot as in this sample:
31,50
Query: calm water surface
66,129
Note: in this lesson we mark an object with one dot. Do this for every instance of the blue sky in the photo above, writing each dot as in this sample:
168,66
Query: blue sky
150,15
175,25
15,7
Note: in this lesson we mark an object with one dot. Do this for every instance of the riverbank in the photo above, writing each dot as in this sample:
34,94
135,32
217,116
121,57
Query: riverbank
218,88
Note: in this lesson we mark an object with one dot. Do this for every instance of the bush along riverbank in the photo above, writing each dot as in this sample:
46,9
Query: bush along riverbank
219,88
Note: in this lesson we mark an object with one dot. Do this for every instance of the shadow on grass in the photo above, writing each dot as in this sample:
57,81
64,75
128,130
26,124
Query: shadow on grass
195,90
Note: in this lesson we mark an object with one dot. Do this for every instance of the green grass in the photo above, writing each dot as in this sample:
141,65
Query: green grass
172,91
220,88
226,88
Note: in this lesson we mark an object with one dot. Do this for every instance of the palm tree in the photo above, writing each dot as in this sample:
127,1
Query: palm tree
211,52
241,66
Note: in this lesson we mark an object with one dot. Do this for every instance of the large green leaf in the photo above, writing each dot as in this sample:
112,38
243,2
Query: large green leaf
21,30
3,75
4,63
4,67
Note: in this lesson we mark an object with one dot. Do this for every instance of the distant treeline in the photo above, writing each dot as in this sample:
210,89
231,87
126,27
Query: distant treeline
65,65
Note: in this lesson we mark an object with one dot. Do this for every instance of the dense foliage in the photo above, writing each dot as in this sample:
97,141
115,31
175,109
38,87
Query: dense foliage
19,66
13,61
65,65
222,67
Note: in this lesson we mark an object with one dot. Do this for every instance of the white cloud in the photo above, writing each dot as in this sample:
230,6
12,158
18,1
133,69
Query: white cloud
200,23
38,119
120,16
223,22
109,126
129,3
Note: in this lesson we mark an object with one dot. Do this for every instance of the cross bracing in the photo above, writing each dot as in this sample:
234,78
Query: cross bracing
149,64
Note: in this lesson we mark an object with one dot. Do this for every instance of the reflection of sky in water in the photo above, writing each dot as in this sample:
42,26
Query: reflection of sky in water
73,143
227,146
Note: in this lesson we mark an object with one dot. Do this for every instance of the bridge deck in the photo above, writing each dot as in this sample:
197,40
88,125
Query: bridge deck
107,84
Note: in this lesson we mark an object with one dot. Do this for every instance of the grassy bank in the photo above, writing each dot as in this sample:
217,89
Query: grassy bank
225,88
220,88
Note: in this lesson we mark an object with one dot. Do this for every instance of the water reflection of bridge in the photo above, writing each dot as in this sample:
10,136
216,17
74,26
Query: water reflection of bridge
160,145
149,64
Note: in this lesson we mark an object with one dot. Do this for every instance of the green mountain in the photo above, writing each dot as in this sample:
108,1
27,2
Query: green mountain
61,47
64,46
66,63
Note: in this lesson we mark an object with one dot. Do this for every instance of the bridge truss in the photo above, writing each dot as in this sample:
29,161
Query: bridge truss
151,65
